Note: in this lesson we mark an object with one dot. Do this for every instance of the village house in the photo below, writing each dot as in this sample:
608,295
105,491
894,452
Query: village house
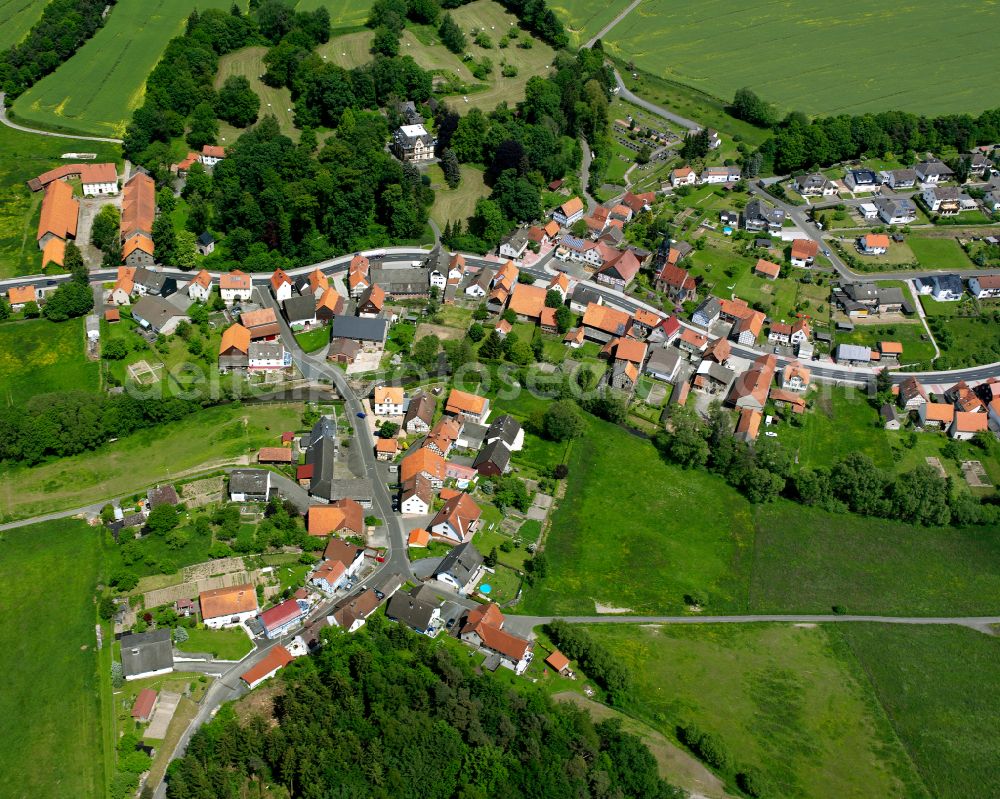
796,377
96,180
942,200
760,216
619,271
386,449
493,459
211,154
899,178
748,425
720,174
644,322
268,356
713,378
861,180
416,496
873,244
413,144
228,607
890,349
388,400
514,244
461,568
419,413
137,215
483,628
300,311
467,407
281,285
457,521
602,323
249,485
815,184
966,424
692,342
569,212
891,418
158,315
281,618
767,269
367,335
423,462
275,660
984,286
357,276
235,286
583,297
942,288
371,302
663,364
200,286
19,296
938,415
676,283
751,389
896,211
932,172
911,394
582,251
683,176
419,610
707,313
147,654
853,355
57,222
351,613
234,349
747,329
261,323
804,252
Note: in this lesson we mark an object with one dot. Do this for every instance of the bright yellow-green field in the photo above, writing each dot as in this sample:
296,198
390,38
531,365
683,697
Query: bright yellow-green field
96,90
343,13
16,19
821,57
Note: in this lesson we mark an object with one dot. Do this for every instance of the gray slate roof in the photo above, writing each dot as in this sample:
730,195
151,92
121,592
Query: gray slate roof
146,652
248,481
461,563
359,328
409,610
298,309
505,428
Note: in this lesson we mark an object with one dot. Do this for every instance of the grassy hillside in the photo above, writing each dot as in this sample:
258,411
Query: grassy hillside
790,703
50,710
38,356
818,57
96,90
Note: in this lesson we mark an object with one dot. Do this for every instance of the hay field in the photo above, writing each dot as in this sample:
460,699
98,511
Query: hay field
96,90
819,57
249,62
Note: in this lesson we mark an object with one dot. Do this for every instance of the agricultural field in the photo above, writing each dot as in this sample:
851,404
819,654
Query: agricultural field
211,437
790,703
96,90
584,19
935,253
23,156
343,13
249,62
38,357
634,533
50,707
813,61
807,560
452,205
938,685
16,19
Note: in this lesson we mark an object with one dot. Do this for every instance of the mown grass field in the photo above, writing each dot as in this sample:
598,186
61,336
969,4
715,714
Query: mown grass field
209,436
451,205
939,686
50,708
934,253
917,348
23,156
816,57
16,19
38,356
96,90
249,62
790,703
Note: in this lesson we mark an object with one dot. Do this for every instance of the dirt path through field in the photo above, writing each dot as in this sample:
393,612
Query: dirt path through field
675,765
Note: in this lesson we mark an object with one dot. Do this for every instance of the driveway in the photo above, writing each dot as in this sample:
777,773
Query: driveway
424,568
164,712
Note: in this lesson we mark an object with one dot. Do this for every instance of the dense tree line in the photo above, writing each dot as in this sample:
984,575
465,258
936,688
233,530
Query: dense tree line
854,483
403,716
525,148
800,143
63,27
71,422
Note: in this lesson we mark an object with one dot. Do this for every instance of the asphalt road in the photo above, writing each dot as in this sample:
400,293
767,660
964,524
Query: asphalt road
660,111
604,31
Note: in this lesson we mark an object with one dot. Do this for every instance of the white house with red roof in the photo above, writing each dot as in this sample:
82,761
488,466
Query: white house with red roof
281,618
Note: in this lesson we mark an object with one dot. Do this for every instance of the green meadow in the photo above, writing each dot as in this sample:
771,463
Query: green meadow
38,357
16,19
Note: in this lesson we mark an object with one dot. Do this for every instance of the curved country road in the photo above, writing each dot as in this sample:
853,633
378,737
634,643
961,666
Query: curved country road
23,129
604,31
625,94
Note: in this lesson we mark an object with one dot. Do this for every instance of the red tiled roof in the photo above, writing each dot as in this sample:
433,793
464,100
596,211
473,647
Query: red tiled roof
281,614
277,658
60,211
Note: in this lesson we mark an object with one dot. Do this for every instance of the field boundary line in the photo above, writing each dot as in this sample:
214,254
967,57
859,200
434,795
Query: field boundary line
6,121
